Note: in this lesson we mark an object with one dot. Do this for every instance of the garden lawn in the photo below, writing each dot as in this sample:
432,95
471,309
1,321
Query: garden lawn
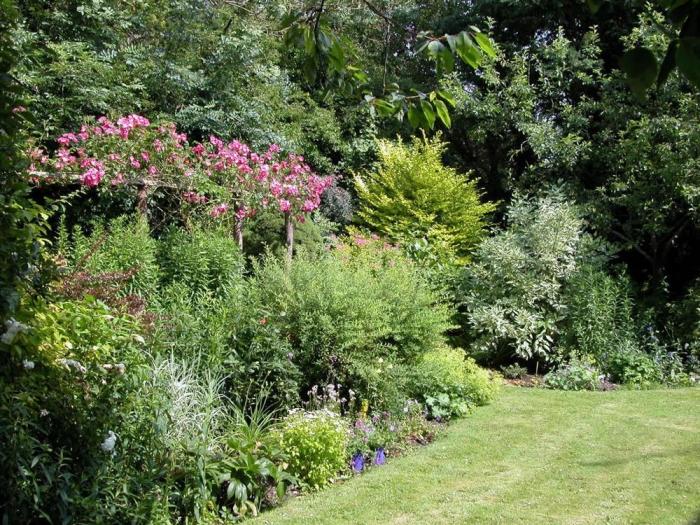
535,456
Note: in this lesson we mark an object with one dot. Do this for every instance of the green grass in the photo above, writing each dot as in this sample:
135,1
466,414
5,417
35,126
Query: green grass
535,456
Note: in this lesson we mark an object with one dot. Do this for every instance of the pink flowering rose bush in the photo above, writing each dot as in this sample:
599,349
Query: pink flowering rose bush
222,179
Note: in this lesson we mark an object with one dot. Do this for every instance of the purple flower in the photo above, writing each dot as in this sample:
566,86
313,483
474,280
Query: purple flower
379,456
358,463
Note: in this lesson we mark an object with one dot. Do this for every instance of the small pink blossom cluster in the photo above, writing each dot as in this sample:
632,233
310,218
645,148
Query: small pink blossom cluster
194,198
294,186
130,150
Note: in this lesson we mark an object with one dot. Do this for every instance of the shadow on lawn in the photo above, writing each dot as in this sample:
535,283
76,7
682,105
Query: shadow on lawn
689,451
695,520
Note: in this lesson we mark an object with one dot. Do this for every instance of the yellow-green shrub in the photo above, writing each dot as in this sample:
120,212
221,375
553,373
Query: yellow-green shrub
413,196
315,444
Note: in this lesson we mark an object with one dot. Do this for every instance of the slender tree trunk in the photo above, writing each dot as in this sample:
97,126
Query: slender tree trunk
289,232
238,232
142,199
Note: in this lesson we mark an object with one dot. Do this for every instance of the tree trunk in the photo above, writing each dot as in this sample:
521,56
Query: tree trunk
142,199
238,232
289,231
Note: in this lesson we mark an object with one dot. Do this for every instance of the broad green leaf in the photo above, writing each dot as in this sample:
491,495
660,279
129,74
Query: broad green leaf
323,41
467,51
452,42
443,113
447,97
428,112
385,108
445,61
641,69
688,59
668,64
414,115
309,41
485,44
434,49
336,56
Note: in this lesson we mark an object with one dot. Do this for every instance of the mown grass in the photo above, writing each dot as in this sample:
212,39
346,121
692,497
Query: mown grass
535,456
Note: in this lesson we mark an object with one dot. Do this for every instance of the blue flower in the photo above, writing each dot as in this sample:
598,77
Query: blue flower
379,456
358,462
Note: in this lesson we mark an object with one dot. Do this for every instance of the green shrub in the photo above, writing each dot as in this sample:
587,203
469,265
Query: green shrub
514,371
345,311
413,195
265,232
449,382
196,325
228,332
315,444
576,375
512,293
200,259
123,246
77,437
632,367
598,314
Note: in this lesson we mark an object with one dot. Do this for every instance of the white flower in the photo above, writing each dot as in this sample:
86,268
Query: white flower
27,364
72,363
109,442
43,412
12,329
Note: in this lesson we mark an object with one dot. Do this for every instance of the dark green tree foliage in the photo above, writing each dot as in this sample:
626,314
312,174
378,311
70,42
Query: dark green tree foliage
210,67
554,113
21,219
329,62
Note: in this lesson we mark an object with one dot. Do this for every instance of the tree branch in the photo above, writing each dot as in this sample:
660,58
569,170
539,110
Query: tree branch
634,245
